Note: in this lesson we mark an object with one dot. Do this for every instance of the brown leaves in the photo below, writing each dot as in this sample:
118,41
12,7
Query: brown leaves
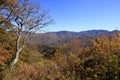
5,53
12,2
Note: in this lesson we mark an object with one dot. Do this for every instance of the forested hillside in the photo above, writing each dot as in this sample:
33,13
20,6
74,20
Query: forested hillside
27,55
73,61
63,37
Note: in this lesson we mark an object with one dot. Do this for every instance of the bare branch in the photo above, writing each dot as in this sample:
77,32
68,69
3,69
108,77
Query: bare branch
21,17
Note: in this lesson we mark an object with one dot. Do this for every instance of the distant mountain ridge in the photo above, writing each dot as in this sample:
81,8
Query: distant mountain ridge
61,37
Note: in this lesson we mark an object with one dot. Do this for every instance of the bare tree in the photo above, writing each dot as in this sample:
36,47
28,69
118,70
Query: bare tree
24,17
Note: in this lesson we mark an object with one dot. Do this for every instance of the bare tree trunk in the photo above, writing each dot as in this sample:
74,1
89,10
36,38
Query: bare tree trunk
18,50
15,58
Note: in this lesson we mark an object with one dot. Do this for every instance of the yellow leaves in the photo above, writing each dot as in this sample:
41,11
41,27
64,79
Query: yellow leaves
95,76
43,62
48,69
107,44
89,69
87,49
74,58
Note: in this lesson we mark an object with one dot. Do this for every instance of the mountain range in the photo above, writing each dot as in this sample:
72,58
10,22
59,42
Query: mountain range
62,37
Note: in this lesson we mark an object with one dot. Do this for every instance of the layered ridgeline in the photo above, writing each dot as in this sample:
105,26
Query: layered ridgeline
62,37
72,61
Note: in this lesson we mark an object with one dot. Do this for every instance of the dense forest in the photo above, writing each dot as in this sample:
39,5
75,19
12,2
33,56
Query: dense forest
85,58
72,61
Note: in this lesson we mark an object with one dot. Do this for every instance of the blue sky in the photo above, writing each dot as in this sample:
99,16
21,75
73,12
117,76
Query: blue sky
81,15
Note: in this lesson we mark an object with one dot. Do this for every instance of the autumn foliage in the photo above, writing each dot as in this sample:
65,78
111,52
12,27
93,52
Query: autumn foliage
71,61
100,60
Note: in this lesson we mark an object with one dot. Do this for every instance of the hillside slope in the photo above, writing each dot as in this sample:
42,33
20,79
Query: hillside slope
62,37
